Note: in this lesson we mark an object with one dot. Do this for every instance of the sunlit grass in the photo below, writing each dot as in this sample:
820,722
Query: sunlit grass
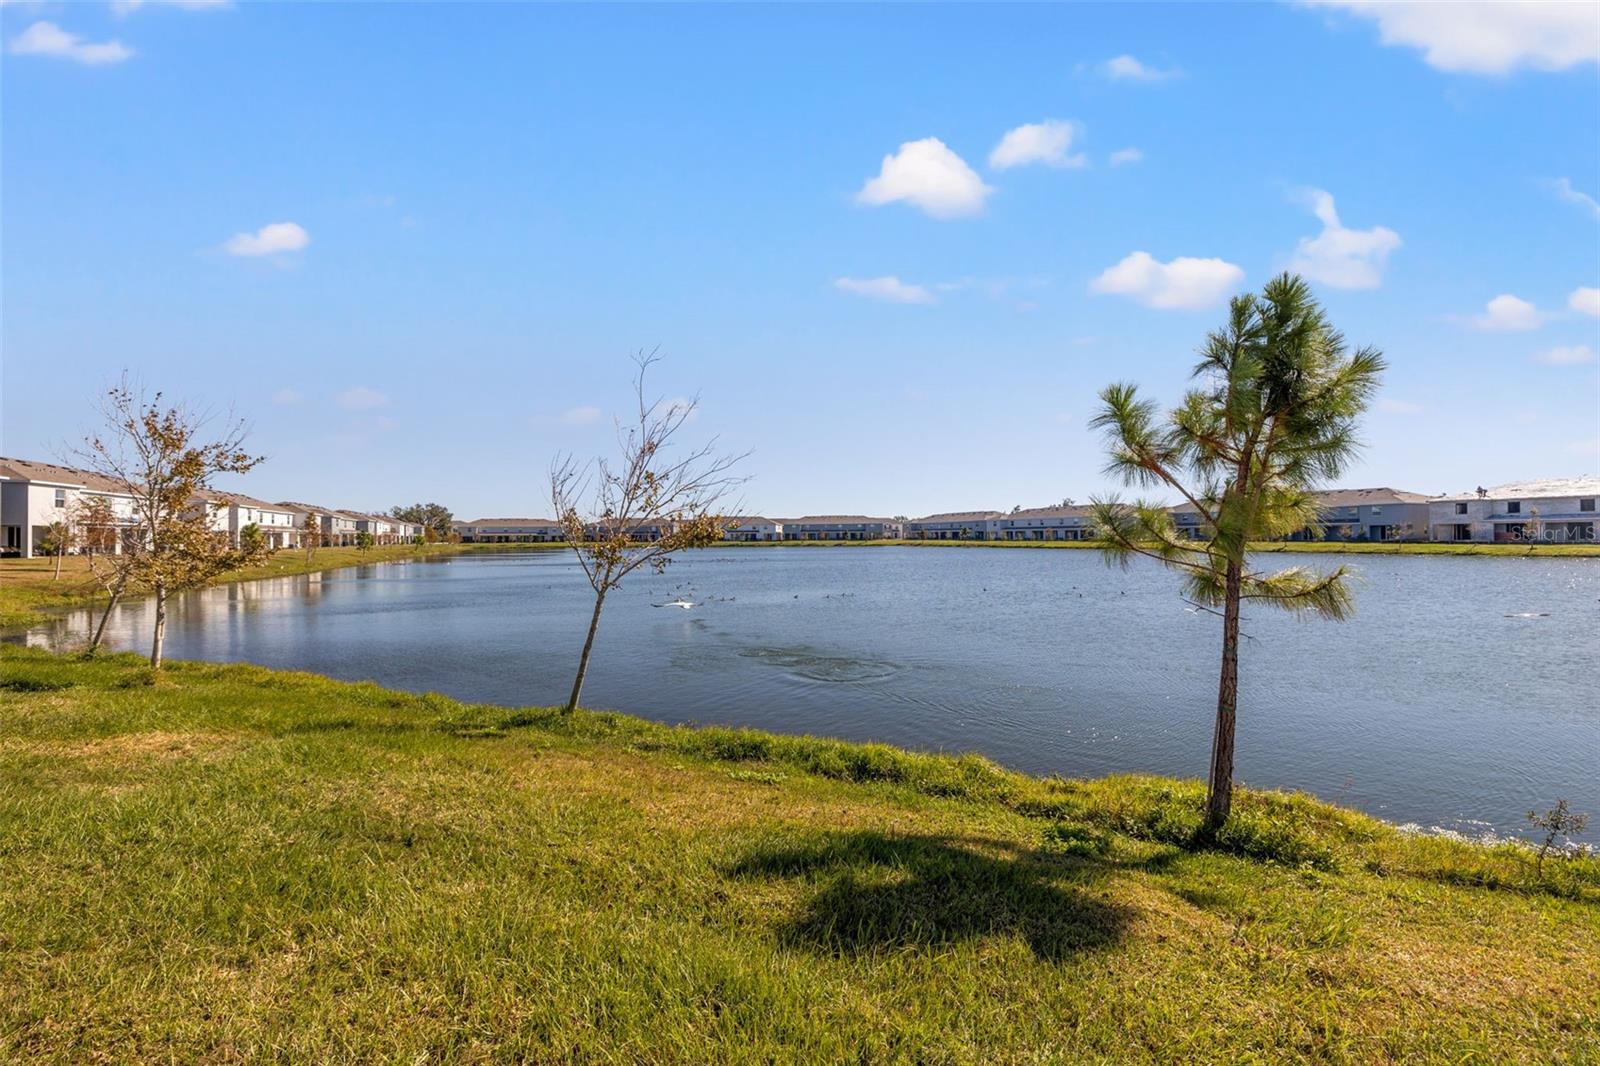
234,863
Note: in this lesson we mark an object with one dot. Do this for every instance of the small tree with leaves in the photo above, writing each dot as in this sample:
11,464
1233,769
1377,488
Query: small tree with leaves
1560,821
252,541
1274,416
434,518
364,541
311,536
57,541
159,456
602,506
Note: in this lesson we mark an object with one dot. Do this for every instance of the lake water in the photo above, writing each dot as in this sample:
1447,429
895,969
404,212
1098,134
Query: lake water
1464,692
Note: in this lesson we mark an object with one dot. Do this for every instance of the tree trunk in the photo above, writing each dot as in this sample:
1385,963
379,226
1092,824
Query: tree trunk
1219,798
105,616
583,660
161,627
59,553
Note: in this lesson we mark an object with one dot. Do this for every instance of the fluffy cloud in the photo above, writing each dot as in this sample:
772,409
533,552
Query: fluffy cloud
929,175
1562,187
48,39
128,7
889,289
1565,355
580,416
1585,301
1127,68
271,239
1340,257
1126,155
1044,142
361,398
1485,36
1508,313
1182,284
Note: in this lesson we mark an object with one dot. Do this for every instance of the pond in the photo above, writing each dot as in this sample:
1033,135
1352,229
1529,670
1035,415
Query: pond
1465,690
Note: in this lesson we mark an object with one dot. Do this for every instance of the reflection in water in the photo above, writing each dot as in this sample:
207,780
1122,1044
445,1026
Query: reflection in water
1461,695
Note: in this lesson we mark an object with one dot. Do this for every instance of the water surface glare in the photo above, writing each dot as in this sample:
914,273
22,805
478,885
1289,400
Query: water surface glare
1463,692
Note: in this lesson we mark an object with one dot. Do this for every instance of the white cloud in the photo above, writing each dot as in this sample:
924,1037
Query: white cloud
48,39
1585,300
928,174
1044,142
889,289
580,416
268,240
1398,407
1127,68
1562,187
1508,313
1126,155
286,397
1340,257
1566,355
128,7
1485,36
361,398
1182,284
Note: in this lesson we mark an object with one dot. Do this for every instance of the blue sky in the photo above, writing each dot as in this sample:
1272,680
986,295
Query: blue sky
896,249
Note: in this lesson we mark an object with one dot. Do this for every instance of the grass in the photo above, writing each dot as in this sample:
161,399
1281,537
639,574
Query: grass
29,590
229,863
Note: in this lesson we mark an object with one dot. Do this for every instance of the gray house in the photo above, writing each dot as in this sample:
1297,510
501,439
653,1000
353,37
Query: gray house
953,525
1045,523
1555,511
840,527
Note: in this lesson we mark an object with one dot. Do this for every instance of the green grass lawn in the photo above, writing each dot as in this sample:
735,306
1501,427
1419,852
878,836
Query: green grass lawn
236,864
29,589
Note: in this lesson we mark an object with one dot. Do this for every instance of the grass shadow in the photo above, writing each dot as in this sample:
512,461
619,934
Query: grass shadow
878,890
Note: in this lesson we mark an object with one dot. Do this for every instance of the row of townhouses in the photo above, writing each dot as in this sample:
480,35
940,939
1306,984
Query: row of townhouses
1554,511
36,496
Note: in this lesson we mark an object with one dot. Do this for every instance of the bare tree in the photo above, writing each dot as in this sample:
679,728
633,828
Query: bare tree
640,510
157,456
311,536
58,537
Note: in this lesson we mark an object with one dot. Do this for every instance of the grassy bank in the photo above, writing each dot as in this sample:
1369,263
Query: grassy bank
30,591
234,863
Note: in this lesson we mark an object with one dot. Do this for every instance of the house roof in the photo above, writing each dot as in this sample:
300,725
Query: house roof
50,473
960,516
1546,488
835,519
1364,497
508,522
218,496
1074,511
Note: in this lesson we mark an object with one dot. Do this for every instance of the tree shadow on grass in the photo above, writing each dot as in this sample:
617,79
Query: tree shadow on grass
879,890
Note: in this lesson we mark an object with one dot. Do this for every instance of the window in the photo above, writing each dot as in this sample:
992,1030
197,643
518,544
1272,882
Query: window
61,497
1461,508
1377,510
1514,507
1586,505
1463,531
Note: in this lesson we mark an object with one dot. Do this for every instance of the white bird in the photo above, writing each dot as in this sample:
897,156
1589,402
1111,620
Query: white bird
685,604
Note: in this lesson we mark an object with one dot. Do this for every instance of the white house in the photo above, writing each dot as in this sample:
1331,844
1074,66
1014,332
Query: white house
231,512
33,496
510,531
384,530
340,528
1556,511
752,528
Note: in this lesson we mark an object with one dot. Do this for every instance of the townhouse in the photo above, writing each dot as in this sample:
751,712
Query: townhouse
953,525
510,531
231,512
1065,522
34,496
1377,514
340,529
842,527
752,528
383,529
1554,511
